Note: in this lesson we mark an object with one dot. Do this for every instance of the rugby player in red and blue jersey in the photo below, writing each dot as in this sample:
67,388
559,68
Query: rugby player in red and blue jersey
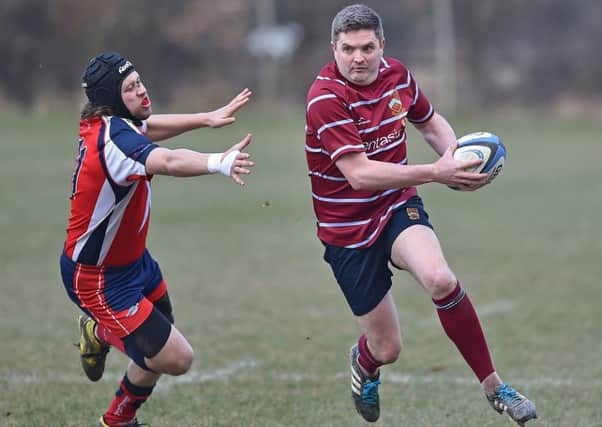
105,266
369,212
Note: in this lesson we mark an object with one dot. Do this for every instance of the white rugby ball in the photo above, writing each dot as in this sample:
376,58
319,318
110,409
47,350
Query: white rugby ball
484,146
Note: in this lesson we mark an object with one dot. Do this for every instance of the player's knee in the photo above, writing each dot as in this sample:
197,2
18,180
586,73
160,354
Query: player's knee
390,354
180,362
184,362
439,282
388,351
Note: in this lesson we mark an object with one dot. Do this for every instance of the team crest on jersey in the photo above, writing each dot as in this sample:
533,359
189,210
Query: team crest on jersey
413,214
395,104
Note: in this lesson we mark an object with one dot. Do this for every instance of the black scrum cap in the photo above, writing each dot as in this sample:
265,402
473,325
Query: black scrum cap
102,82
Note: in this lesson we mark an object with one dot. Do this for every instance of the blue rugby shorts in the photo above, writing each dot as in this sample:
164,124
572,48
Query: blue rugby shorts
363,274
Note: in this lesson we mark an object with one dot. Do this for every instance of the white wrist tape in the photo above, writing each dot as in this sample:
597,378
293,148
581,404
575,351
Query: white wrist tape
214,164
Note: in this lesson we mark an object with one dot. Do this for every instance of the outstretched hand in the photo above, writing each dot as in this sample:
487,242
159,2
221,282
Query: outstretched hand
241,164
454,173
225,115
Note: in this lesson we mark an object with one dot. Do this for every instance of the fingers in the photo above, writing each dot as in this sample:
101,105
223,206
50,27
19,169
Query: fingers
236,172
242,164
468,164
239,170
472,176
245,93
239,101
244,142
237,104
224,116
238,180
465,187
470,187
470,179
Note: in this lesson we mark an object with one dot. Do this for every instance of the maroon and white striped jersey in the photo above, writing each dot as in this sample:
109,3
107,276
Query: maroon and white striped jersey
343,118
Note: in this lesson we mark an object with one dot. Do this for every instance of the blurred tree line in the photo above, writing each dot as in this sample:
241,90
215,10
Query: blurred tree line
475,54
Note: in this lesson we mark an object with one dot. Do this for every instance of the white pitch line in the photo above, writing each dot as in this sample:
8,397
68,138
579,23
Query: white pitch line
165,383
503,306
530,382
406,379
196,377
231,370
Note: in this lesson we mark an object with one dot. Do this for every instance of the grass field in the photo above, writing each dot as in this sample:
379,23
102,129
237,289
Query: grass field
269,326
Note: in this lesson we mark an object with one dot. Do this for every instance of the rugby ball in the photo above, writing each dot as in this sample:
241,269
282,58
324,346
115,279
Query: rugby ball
484,146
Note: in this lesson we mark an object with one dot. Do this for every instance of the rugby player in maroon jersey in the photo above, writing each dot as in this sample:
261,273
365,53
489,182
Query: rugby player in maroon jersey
369,213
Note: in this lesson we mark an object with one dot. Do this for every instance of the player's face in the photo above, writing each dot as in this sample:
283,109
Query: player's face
357,54
135,97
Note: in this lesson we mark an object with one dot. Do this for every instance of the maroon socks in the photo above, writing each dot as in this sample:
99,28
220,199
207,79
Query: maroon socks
461,324
365,359
126,402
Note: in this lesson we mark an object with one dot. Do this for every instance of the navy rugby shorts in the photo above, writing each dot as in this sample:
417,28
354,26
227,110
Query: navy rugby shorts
363,274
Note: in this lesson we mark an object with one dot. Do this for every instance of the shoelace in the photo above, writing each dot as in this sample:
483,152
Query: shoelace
369,392
507,395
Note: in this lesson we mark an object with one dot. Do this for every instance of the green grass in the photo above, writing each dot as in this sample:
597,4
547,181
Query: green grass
269,326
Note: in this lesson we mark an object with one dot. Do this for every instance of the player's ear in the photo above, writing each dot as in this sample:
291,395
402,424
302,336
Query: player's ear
382,43
333,45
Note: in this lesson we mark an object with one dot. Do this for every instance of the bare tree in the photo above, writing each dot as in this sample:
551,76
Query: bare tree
445,53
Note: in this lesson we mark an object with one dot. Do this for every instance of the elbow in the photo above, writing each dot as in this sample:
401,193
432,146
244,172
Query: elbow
159,162
168,165
359,182
356,185
174,167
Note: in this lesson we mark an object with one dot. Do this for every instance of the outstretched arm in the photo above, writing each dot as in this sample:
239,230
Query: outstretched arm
182,162
164,126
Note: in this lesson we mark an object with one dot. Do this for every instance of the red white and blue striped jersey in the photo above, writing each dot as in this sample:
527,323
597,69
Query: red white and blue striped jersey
111,193
342,118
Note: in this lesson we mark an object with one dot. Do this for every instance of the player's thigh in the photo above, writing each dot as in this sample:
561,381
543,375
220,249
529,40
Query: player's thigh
418,251
362,274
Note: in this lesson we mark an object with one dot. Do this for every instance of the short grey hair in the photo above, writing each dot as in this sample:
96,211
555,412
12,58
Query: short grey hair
356,17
